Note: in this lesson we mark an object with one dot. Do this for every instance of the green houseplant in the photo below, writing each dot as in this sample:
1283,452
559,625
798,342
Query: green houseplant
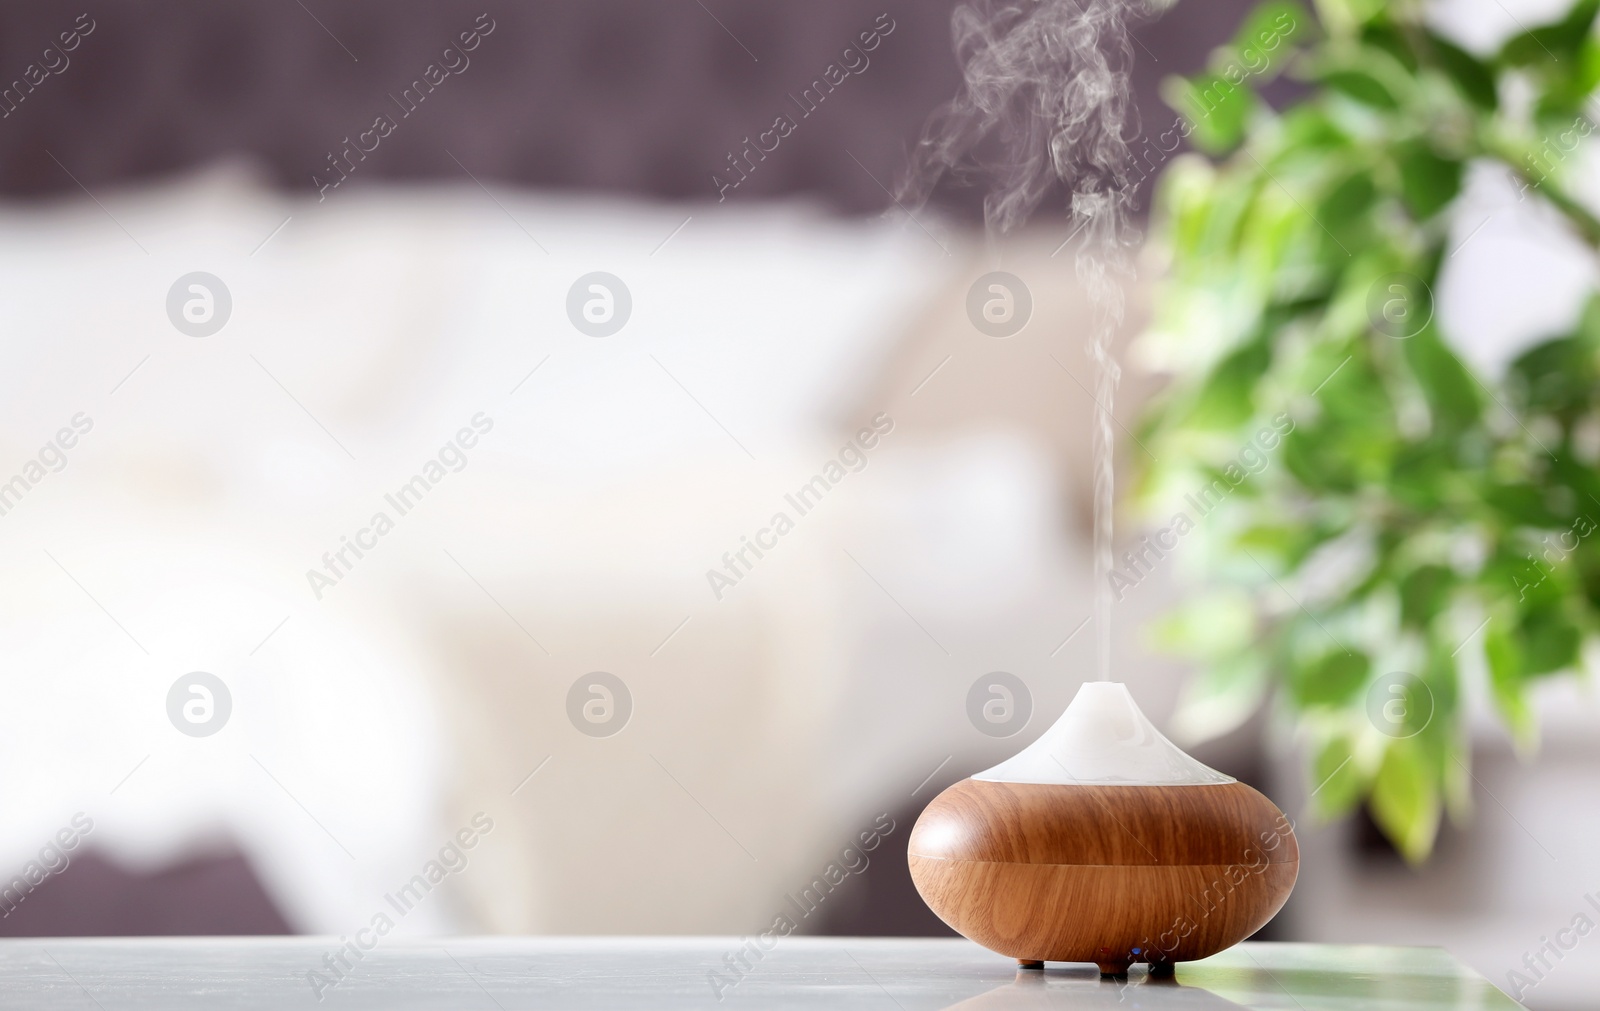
1418,523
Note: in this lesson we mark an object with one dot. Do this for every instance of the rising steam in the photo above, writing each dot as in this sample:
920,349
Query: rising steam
1047,100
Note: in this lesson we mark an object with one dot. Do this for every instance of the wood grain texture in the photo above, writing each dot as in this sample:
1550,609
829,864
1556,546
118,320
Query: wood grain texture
1104,874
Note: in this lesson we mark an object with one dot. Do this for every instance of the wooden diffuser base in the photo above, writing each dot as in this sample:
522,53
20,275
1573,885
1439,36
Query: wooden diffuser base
1108,874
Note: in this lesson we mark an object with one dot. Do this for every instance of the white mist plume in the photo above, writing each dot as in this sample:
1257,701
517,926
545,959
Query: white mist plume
1047,99
1046,95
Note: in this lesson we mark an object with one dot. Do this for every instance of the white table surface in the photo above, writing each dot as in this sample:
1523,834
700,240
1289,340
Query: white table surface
175,974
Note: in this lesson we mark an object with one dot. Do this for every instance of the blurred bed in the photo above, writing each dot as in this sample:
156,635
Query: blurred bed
374,713
374,717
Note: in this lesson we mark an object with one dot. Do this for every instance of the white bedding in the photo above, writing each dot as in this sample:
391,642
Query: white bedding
409,693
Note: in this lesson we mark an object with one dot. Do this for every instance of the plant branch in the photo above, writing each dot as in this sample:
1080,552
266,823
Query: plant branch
1579,216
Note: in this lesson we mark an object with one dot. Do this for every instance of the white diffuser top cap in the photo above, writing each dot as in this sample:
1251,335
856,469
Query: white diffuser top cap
1103,739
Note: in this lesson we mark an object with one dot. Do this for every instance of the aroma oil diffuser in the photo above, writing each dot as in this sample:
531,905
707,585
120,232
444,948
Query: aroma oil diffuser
1103,842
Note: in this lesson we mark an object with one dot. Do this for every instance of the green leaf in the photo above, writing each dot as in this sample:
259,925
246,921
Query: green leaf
1522,504
1474,78
1451,391
1458,790
1354,440
1363,87
1548,639
1290,540
1310,129
1586,560
1350,199
1505,681
1337,783
1343,212
1568,85
1424,593
1552,43
1559,376
1268,36
1227,399
1385,36
1217,109
1444,686
1530,581
1428,180
1588,76
1329,680
1422,476
1345,17
1587,334
1405,799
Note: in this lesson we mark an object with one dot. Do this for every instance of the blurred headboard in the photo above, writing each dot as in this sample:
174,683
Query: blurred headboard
638,96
